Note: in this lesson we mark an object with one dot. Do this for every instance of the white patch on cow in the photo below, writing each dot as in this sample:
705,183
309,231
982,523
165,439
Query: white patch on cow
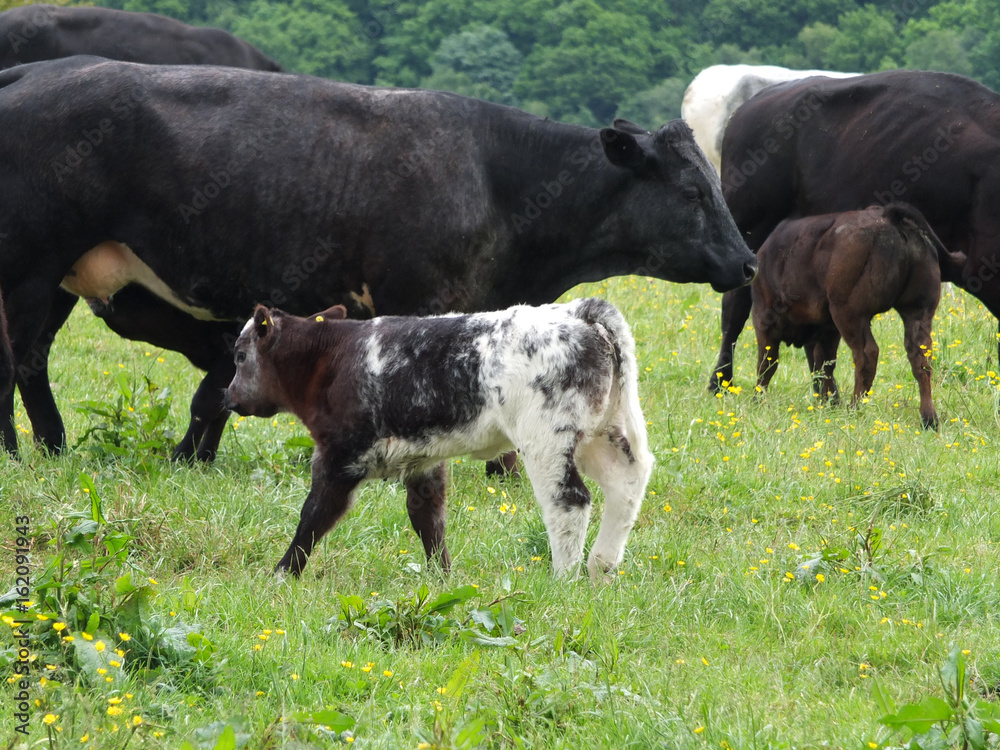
559,431
110,266
374,363
718,91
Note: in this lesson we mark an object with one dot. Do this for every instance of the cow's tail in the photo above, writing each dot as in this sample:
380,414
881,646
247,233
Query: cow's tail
904,214
603,313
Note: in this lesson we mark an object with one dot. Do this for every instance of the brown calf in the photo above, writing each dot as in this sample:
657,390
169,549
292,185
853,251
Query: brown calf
825,277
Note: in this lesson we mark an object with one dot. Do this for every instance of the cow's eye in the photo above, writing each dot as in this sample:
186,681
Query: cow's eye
692,193
240,357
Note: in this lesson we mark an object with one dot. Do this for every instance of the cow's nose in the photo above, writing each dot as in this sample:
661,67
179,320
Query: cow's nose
749,271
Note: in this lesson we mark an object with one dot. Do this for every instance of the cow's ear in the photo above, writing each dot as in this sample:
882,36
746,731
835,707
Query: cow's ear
263,323
337,312
628,126
622,149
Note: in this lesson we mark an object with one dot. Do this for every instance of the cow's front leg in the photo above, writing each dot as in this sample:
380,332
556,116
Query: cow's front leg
425,502
208,414
328,500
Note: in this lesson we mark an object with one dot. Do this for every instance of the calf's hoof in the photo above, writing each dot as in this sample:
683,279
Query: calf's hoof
929,421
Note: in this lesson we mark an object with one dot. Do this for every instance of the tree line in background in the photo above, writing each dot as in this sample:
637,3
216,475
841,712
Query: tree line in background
588,61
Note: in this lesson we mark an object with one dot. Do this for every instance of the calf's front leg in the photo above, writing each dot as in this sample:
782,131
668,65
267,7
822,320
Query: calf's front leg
328,500
425,503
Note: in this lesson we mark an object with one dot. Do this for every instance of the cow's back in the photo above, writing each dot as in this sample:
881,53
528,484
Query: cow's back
719,90
822,146
33,33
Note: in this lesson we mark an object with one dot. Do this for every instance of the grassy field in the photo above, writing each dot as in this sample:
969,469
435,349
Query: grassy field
795,567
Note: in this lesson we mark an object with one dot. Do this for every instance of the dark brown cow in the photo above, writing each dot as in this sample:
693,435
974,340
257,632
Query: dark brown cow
395,397
824,146
825,277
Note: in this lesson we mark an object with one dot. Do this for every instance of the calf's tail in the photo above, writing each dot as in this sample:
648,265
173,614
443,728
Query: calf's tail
597,311
951,263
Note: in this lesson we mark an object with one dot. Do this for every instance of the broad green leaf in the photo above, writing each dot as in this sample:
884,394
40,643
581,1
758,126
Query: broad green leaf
882,699
920,717
93,623
446,600
124,585
461,677
227,740
975,734
334,720
87,484
472,733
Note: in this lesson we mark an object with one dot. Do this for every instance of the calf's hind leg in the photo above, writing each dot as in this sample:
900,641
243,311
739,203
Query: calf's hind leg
563,498
622,475
425,504
917,340
857,332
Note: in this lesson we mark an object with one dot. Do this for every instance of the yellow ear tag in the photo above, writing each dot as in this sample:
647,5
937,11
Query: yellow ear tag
319,318
264,322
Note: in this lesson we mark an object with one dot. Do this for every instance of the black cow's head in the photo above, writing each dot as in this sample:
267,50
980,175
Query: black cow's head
672,207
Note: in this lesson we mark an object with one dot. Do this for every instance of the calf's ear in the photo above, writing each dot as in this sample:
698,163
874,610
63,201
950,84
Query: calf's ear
337,312
262,321
622,149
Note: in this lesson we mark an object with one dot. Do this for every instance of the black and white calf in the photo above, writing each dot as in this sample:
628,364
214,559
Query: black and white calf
395,397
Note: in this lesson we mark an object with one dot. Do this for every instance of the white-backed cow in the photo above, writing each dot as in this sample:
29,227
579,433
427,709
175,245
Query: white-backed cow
718,91
395,397
218,188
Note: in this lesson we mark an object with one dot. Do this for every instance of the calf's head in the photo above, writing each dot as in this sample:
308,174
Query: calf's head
261,353
673,208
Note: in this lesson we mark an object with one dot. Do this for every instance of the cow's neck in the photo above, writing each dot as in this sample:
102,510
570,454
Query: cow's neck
561,207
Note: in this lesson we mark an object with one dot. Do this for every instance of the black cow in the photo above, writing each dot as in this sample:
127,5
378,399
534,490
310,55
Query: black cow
825,146
218,188
47,32
6,356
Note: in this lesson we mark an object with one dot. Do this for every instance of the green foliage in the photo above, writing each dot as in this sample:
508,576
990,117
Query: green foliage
318,37
95,618
134,423
654,107
959,720
480,61
418,621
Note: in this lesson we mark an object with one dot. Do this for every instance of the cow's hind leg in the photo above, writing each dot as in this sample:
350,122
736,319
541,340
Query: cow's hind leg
562,496
327,502
917,340
425,503
622,475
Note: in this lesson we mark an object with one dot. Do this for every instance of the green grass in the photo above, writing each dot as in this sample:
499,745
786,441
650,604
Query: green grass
708,638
